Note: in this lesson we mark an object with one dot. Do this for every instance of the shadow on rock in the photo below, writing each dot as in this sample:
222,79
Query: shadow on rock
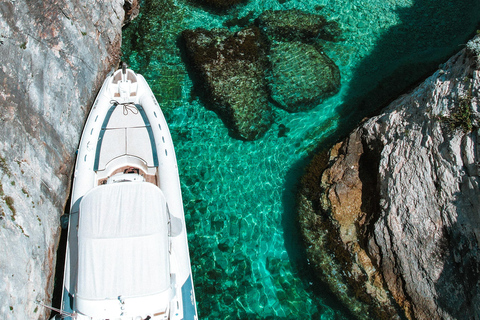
458,285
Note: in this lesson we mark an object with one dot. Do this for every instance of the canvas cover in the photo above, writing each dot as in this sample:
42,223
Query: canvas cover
123,242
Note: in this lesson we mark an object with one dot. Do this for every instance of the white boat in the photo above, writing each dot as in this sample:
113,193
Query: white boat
127,252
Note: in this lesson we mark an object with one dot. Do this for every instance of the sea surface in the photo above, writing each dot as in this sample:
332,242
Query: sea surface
247,256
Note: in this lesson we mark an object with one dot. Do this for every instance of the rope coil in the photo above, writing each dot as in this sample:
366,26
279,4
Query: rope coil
127,106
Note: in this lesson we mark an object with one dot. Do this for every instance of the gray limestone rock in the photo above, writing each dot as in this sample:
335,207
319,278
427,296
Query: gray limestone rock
411,203
54,56
474,48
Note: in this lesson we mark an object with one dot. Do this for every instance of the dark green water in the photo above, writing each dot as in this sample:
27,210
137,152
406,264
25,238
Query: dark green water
247,257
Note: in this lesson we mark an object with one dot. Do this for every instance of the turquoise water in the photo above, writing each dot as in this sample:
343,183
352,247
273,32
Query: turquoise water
247,257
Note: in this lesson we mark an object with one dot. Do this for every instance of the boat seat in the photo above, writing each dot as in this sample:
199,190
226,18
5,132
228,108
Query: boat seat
125,85
126,133
125,141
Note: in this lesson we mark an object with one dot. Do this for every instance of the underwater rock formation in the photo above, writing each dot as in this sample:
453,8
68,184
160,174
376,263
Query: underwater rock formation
232,70
54,56
296,25
220,4
279,59
300,75
390,215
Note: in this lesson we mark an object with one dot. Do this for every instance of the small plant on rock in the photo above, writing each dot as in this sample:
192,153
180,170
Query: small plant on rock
461,115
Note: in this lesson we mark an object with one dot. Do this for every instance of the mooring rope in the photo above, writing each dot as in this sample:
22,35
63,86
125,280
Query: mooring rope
62,313
127,106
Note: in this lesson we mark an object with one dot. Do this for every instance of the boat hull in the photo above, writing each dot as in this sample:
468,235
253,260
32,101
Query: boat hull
126,130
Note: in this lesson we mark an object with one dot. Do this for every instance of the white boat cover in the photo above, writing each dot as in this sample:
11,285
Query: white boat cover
123,242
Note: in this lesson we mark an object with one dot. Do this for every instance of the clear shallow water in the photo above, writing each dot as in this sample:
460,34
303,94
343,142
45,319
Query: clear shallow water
239,196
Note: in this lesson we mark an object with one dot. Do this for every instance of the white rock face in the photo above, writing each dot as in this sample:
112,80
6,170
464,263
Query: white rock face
54,56
428,229
411,191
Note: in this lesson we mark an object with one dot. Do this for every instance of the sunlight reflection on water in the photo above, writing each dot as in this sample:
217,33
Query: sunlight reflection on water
236,193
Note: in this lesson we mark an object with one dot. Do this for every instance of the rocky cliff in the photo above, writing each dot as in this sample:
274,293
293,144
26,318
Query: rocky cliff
54,56
391,214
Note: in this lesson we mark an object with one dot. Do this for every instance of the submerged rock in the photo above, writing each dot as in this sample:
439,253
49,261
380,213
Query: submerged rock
279,59
391,214
301,75
54,57
232,67
220,4
296,25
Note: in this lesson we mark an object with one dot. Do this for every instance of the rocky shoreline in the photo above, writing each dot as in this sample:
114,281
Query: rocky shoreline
390,216
55,56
